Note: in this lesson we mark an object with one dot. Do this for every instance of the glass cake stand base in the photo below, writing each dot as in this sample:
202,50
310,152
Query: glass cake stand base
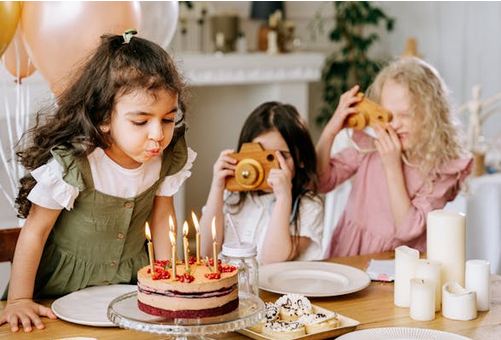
123,312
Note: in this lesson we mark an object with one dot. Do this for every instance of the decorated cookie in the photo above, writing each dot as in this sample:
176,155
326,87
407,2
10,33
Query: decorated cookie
270,314
284,330
292,306
319,322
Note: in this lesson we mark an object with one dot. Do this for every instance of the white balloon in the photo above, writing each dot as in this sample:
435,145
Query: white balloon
159,21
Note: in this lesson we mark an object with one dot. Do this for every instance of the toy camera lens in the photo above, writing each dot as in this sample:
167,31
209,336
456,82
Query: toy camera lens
270,157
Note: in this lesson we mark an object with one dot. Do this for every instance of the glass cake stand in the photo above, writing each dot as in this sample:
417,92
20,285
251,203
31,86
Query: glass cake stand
123,312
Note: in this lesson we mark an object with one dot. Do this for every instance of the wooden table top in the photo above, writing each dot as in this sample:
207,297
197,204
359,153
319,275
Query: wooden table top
372,307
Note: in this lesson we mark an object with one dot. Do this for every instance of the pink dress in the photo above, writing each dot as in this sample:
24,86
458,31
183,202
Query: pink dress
367,225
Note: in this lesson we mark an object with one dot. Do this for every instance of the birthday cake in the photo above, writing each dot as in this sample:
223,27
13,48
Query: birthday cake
199,292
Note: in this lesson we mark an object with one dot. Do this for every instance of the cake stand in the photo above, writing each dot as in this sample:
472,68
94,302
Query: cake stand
123,312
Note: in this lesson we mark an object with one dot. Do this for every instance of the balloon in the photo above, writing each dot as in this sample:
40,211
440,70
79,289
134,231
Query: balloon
60,35
17,60
159,21
10,11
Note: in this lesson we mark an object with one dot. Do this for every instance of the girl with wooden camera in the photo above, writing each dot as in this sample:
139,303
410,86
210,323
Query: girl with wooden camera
285,221
417,166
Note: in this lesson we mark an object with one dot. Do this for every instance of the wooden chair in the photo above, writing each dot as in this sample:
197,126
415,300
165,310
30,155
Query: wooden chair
8,240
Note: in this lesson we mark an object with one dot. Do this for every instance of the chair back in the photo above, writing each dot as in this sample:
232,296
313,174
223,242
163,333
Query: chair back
8,240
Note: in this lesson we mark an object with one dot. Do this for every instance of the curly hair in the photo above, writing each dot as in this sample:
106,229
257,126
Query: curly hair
114,69
435,139
286,120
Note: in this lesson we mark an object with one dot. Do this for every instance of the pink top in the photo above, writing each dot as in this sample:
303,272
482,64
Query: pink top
367,225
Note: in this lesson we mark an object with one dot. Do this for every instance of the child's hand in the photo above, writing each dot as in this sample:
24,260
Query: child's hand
343,110
280,180
25,312
388,145
224,167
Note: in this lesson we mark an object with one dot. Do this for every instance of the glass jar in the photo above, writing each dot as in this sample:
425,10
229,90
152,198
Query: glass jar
243,256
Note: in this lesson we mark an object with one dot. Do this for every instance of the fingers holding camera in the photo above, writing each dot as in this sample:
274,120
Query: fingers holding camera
224,167
343,110
280,180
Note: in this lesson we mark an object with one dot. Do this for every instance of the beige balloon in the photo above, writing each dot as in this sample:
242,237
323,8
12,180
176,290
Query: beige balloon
16,59
61,35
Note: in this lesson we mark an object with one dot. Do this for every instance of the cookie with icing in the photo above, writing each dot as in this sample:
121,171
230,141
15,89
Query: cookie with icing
283,329
270,314
319,322
293,306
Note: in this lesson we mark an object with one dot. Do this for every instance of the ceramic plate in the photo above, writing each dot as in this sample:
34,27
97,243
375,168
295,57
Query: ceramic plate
89,306
313,279
401,333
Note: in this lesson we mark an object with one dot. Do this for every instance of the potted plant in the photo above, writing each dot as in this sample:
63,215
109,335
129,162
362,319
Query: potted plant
350,64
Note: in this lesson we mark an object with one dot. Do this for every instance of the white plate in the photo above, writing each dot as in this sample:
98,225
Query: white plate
313,279
401,333
90,305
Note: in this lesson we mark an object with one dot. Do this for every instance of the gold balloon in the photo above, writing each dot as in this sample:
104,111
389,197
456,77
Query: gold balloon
10,12
16,59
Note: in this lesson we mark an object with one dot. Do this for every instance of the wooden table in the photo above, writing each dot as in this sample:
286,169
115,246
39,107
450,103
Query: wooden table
373,307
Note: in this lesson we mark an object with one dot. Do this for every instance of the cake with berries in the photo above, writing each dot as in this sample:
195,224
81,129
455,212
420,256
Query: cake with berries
197,293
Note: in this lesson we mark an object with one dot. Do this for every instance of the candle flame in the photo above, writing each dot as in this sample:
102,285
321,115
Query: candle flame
147,231
171,224
213,228
195,221
185,228
172,238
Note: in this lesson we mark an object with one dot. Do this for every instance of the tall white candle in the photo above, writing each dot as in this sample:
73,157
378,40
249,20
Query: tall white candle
445,243
422,304
405,264
458,303
477,279
430,270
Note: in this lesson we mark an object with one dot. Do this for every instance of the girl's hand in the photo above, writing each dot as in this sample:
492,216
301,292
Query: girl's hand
224,167
25,312
280,180
343,110
388,145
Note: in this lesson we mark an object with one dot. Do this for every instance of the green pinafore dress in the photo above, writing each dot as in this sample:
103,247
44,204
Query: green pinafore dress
101,240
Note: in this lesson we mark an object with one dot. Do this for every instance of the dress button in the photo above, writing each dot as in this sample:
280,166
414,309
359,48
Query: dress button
120,236
113,263
128,205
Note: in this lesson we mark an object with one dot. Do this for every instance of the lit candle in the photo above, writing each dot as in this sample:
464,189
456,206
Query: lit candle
197,236
405,263
185,245
422,301
150,248
214,244
172,237
172,227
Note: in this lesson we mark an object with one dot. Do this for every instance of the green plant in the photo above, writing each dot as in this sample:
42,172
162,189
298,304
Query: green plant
350,64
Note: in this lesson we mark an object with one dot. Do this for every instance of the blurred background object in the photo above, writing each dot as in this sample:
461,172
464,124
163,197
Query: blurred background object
225,28
262,10
159,21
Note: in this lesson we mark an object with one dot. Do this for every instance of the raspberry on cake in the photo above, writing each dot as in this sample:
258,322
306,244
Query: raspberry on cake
195,294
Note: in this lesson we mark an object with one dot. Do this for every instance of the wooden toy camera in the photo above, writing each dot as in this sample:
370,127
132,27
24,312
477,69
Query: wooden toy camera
254,165
369,113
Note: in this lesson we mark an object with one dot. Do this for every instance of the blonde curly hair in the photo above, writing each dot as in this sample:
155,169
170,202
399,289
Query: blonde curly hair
435,138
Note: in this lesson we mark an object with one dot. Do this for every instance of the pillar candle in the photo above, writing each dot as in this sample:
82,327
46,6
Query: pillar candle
458,303
430,270
445,243
477,279
405,263
422,300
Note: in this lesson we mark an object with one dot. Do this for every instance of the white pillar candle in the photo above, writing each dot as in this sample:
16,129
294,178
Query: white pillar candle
430,270
405,263
422,304
458,303
446,243
477,279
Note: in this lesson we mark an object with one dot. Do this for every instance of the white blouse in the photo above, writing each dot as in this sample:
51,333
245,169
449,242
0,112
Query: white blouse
52,192
253,219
